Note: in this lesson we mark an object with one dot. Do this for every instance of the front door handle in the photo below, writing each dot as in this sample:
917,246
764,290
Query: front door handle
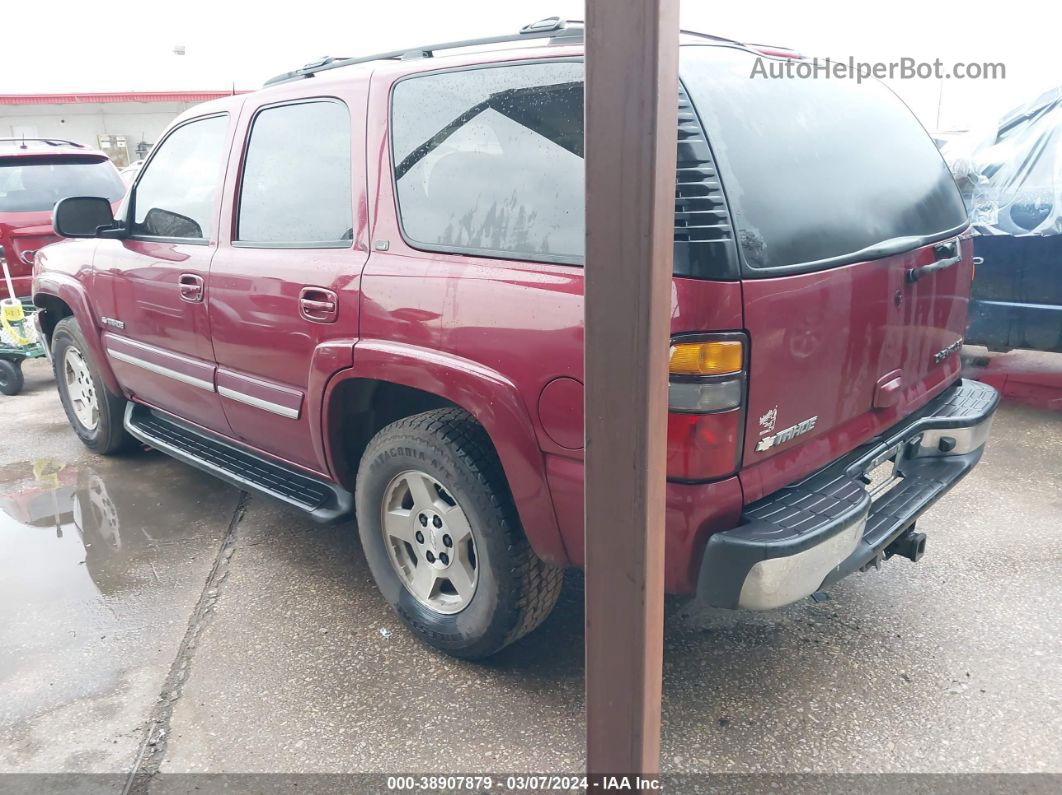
318,305
947,255
191,287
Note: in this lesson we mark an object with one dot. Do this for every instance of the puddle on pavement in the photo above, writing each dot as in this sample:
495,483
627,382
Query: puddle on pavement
104,518
96,555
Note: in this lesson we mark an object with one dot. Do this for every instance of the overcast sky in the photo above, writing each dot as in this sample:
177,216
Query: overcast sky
66,46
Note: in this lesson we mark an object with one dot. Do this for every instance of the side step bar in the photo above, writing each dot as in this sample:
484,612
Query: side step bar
325,502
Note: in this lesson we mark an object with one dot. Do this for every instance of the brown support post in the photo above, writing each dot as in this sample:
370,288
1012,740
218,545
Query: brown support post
631,119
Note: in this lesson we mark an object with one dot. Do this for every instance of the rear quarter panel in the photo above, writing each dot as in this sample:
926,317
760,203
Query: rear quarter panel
522,324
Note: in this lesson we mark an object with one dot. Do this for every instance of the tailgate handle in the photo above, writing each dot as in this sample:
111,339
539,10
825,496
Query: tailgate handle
947,255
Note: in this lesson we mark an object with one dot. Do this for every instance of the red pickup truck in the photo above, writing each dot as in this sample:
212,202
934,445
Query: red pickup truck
360,290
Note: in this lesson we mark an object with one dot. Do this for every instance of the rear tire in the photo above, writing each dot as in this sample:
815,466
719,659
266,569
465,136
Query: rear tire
94,413
11,379
433,507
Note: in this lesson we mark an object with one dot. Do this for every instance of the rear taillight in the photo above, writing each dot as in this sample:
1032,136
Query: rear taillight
706,405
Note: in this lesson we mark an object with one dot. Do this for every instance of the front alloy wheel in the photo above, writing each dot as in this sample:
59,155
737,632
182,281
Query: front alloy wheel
94,413
81,389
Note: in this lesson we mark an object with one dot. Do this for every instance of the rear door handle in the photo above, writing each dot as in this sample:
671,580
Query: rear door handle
947,255
191,287
318,305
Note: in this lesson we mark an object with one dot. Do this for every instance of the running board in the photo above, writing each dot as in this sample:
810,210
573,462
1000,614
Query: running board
325,502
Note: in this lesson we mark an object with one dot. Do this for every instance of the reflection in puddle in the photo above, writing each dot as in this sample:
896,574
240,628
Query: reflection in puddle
60,495
99,560
106,519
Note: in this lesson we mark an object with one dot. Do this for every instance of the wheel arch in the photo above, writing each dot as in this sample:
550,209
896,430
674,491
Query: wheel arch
392,380
58,296
50,310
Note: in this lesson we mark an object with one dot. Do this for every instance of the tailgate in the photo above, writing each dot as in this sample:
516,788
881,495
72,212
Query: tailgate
837,196
860,348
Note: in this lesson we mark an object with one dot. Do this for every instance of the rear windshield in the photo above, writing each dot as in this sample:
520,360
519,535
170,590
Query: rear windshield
818,172
35,184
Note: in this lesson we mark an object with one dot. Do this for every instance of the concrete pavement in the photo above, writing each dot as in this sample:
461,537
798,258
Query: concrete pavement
152,619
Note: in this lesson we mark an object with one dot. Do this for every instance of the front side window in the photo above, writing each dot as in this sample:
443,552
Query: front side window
490,161
296,186
35,184
176,195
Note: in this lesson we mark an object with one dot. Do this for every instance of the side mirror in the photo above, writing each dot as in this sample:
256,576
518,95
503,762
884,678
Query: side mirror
81,216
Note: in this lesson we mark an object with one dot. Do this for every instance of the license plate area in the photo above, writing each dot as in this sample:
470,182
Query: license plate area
883,472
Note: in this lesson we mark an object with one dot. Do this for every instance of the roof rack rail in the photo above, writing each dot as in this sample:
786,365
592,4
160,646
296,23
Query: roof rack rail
710,37
549,28
49,141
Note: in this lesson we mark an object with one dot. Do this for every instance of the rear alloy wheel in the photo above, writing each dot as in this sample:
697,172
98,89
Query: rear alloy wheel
430,542
442,537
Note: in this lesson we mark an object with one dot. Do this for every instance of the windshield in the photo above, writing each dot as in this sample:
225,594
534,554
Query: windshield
35,184
817,171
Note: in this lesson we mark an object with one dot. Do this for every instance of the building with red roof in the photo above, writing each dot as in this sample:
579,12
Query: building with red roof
125,125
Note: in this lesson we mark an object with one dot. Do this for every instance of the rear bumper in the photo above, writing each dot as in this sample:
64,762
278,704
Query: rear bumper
813,533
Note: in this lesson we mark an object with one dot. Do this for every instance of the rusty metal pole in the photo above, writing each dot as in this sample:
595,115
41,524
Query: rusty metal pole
631,131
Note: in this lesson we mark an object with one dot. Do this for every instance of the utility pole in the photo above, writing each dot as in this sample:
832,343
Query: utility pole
631,140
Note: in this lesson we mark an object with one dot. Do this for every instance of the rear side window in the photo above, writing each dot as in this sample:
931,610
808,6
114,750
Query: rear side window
818,172
177,191
296,187
34,184
490,161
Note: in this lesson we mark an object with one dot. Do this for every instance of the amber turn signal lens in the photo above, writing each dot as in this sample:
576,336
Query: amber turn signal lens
716,357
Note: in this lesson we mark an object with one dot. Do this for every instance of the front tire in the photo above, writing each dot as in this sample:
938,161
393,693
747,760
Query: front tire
443,539
94,413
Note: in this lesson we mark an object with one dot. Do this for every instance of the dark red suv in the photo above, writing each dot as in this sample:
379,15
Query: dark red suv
35,173
359,290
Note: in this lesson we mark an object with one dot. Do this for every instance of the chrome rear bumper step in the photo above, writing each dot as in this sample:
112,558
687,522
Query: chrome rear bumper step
814,532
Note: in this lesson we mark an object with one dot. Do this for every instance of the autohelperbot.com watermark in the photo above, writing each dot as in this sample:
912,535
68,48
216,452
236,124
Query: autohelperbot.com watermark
851,69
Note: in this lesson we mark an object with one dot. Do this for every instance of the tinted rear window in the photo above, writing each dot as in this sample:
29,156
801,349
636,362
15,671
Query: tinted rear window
490,161
35,184
817,171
